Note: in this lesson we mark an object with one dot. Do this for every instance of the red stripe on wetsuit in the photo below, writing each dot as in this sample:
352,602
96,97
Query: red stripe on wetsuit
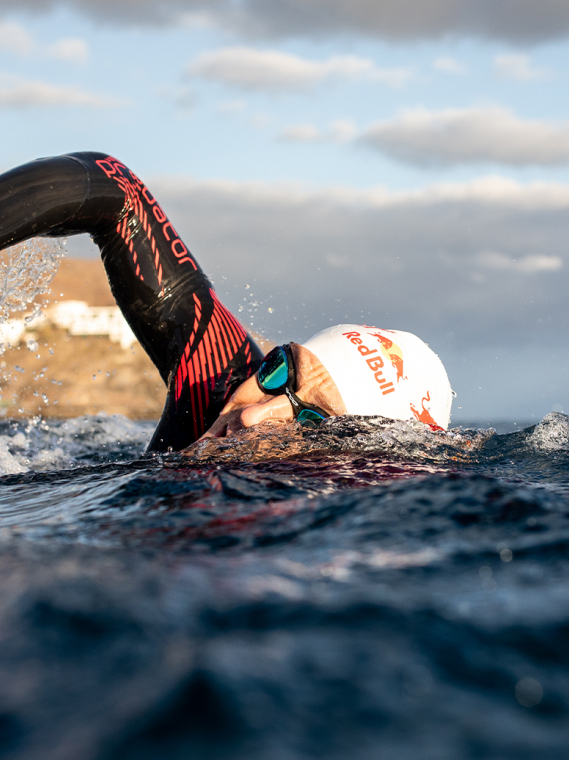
221,339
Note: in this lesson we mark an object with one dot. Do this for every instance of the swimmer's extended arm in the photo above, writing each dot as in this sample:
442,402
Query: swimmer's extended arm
199,348
42,198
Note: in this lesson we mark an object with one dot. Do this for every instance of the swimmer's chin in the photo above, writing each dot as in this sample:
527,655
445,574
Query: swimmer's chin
269,439
241,431
267,424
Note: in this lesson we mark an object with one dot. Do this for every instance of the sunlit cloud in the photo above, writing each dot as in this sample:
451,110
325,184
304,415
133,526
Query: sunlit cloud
469,135
302,133
201,19
231,107
25,94
449,65
15,39
518,67
275,71
526,264
70,49
340,130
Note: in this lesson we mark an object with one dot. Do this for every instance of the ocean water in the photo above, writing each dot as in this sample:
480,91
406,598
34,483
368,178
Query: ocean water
366,590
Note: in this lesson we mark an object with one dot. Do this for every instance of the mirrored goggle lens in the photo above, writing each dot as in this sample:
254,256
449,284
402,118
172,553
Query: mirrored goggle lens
273,372
309,418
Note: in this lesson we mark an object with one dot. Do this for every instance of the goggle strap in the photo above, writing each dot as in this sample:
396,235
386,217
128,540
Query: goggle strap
298,405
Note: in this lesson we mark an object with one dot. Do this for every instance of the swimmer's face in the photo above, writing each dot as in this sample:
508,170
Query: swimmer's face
249,405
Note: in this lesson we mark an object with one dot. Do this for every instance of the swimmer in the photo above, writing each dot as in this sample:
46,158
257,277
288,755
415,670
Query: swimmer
217,379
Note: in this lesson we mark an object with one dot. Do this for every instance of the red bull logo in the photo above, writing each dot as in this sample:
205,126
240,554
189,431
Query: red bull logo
392,353
425,415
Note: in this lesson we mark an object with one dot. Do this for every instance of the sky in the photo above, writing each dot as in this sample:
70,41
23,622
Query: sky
400,164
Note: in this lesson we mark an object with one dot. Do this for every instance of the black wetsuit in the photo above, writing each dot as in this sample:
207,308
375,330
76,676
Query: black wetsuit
201,351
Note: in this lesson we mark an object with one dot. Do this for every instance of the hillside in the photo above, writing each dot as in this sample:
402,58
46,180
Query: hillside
83,375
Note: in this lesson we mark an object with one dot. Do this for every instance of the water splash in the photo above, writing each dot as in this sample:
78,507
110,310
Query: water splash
40,445
26,271
48,444
350,434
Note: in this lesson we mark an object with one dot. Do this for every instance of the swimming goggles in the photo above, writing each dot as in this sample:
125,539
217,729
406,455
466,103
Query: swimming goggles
277,375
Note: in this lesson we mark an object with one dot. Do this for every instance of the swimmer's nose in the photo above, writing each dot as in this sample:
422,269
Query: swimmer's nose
277,408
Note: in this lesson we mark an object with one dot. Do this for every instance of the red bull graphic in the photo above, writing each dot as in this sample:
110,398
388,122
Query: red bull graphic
425,415
393,353
375,363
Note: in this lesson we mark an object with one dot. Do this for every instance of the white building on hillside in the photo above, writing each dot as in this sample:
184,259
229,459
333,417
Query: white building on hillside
12,332
78,318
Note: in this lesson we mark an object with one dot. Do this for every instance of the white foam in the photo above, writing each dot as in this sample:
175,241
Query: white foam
41,444
552,433
9,464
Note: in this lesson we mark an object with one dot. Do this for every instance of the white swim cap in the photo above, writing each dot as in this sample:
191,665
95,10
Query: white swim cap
385,372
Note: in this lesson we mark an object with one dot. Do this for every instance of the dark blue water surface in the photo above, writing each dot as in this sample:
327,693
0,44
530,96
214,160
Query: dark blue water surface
367,590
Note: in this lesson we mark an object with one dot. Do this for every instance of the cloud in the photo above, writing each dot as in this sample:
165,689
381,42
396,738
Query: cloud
15,39
26,94
518,67
340,130
517,21
452,262
449,65
511,20
259,120
526,264
231,107
132,12
185,98
70,49
470,135
274,71
302,133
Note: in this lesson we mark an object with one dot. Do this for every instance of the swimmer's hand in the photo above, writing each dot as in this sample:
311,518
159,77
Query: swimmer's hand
247,407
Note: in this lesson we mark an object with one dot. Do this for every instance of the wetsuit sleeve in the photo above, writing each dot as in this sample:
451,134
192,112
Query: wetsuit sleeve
200,349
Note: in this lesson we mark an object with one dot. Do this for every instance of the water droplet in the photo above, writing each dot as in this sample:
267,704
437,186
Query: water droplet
529,692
